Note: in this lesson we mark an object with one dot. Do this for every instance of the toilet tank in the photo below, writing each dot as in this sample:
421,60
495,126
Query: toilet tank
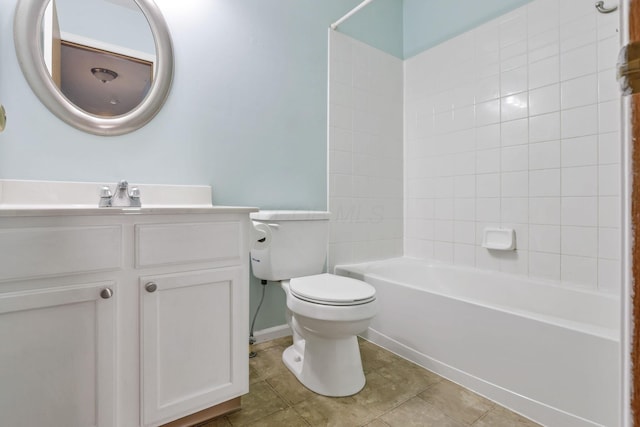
290,244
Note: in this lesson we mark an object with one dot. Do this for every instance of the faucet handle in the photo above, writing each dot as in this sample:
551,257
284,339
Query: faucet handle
105,192
134,193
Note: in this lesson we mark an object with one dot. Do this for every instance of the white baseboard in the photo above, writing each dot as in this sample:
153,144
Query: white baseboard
272,333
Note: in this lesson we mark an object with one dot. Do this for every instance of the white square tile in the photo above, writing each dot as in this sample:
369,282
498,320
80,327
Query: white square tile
579,270
609,148
340,117
515,132
464,186
486,259
514,56
488,185
463,117
464,232
340,139
515,184
488,161
544,265
609,116
579,121
609,276
488,137
545,72
487,38
340,185
545,127
465,163
579,241
513,81
464,254
608,87
608,52
608,25
488,112
580,181
582,151
609,180
487,88
545,210
580,211
579,91
516,262
443,230
340,162
488,209
514,210
515,158
513,27
609,212
464,209
578,62
544,155
578,32
444,209
544,183
609,245
542,15
544,100
443,251
514,106
544,238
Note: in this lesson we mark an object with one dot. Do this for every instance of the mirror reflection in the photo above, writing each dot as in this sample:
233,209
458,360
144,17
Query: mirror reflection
99,53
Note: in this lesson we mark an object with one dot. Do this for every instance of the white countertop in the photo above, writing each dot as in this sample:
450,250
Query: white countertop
86,210
51,198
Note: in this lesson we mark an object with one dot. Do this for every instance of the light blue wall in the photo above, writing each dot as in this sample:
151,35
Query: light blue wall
430,22
247,113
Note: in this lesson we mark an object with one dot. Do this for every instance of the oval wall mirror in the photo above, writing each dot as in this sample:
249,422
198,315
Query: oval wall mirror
103,76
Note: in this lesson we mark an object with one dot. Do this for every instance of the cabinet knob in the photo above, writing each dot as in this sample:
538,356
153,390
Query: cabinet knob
106,293
151,287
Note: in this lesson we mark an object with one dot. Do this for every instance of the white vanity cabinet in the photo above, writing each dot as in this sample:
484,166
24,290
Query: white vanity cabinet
113,318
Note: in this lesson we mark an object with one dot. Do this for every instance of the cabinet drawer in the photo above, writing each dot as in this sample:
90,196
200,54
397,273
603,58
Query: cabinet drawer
163,244
46,251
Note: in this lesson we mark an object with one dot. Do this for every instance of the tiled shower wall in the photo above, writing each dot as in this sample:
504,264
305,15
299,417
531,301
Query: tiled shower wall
365,152
516,124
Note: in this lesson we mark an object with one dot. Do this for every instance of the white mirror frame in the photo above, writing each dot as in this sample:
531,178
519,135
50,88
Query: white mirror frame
28,45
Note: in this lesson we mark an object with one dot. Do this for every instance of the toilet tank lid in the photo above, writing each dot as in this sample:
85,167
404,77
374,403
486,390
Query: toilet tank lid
290,215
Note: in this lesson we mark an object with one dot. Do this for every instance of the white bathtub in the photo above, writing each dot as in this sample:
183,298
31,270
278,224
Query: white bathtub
548,352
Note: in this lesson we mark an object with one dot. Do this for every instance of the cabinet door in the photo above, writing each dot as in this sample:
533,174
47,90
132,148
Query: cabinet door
194,342
57,357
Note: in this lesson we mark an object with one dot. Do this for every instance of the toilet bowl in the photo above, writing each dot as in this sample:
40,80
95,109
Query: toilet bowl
325,356
325,312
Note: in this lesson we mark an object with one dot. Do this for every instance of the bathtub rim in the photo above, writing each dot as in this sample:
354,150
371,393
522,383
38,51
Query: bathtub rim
600,331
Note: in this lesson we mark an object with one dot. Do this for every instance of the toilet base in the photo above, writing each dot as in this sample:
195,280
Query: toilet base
331,367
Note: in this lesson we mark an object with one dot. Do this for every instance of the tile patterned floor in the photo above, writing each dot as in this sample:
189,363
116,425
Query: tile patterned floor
398,393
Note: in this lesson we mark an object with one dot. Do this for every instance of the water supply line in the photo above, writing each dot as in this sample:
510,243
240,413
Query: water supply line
252,339
350,14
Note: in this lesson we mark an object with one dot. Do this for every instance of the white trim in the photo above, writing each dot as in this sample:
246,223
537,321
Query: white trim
272,333
626,311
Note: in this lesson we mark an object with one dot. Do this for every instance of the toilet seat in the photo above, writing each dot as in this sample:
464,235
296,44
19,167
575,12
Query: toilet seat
329,289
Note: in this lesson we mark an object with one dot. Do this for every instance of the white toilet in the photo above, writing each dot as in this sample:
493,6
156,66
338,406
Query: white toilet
325,312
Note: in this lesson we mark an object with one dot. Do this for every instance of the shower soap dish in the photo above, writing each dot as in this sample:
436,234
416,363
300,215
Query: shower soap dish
499,239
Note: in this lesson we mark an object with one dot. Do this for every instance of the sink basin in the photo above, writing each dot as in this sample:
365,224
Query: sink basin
57,195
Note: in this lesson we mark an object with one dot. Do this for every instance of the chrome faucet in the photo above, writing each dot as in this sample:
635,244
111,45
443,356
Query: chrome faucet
122,196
